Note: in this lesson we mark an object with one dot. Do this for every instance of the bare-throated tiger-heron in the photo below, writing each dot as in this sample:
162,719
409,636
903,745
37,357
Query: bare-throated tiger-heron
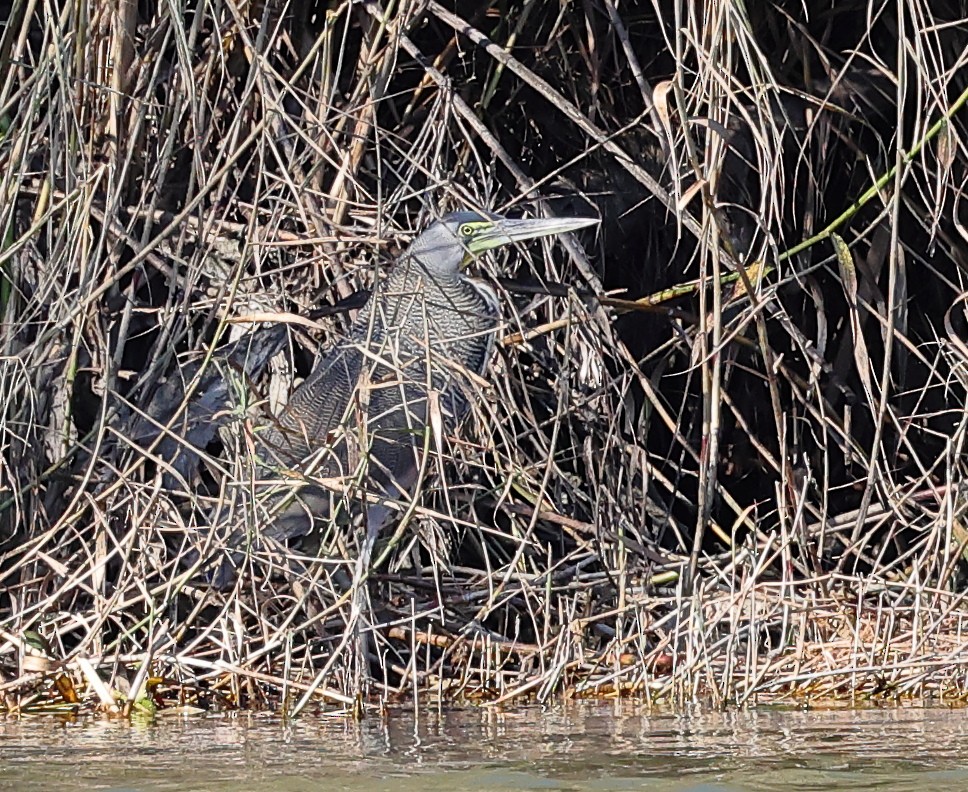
409,362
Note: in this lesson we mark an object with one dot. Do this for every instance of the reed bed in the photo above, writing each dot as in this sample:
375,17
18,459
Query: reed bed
719,454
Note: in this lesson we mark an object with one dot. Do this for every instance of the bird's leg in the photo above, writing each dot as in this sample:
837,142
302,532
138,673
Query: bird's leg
358,623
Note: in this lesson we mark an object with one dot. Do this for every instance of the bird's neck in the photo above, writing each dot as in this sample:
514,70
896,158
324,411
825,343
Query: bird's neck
413,294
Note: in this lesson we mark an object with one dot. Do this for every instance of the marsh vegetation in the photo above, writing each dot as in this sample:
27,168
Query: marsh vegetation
718,454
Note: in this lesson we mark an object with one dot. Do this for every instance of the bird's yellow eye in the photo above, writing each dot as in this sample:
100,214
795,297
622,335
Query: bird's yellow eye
466,230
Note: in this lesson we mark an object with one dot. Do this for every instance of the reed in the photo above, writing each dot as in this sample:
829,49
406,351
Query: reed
719,454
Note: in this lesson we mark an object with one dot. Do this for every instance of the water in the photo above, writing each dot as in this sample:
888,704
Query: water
574,747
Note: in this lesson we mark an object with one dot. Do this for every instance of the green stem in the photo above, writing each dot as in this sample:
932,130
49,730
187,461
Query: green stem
688,288
877,186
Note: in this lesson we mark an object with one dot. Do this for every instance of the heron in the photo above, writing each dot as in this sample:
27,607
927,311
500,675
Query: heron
411,363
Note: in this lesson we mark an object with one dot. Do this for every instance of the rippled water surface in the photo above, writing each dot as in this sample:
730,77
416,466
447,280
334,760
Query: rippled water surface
575,747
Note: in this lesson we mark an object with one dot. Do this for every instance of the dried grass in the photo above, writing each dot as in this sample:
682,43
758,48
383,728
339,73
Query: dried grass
720,454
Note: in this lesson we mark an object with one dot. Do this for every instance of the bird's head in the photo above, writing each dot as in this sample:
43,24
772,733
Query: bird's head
448,244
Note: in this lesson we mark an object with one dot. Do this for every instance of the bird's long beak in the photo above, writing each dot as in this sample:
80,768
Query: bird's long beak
505,231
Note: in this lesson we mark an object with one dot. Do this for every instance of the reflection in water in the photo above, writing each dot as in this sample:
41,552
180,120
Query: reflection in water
570,747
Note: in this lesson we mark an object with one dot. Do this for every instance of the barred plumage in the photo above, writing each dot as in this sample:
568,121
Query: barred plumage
365,408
